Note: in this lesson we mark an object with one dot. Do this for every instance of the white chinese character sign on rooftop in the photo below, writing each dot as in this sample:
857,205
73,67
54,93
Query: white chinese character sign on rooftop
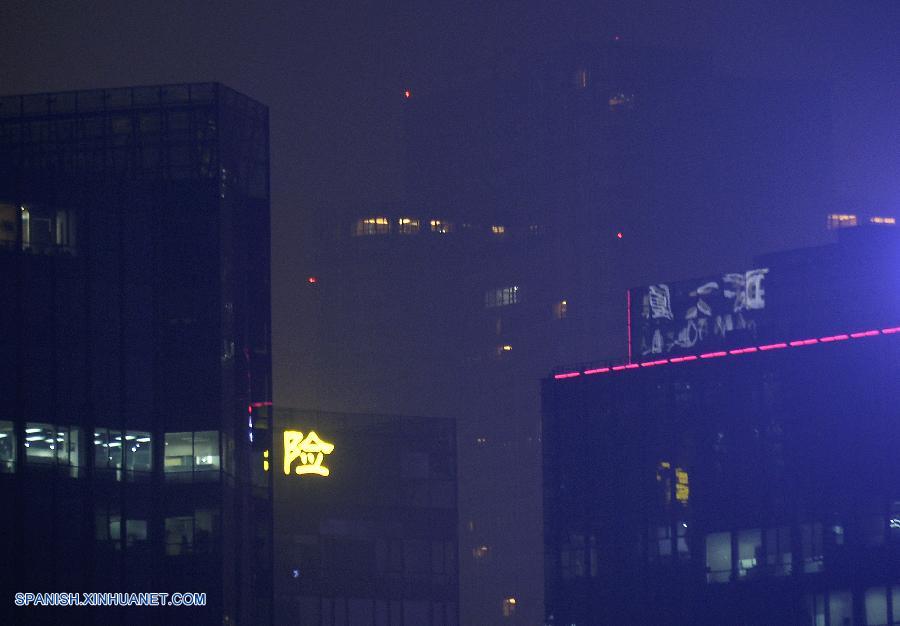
709,313
308,452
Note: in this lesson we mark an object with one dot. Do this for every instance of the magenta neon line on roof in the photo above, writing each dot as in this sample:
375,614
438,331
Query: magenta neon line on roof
797,343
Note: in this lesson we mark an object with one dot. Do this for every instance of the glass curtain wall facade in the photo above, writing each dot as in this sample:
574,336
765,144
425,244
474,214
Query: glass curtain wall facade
754,489
136,371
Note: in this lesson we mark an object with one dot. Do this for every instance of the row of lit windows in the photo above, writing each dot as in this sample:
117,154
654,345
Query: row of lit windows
746,554
380,225
757,552
881,606
187,456
849,220
512,294
504,296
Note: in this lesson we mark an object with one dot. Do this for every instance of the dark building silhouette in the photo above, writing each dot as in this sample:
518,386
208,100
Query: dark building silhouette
538,189
134,247
366,533
748,478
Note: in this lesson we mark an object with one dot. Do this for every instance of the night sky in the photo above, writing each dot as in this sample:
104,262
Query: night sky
333,75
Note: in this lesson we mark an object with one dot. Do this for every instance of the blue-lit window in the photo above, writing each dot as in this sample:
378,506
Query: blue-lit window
7,447
718,557
138,450
108,450
503,296
51,445
811,547
878,611
749,545
115,450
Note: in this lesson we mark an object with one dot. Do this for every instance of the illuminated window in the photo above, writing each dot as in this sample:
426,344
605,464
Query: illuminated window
372,226
503,349
561,309
206,451
749,552
841,220
718,557
108,450
498,229
811,547
7,447
581,78
45,230
407,226
503,296
621,101
509,607
480,552
46,444
442,227
840,607
112,446
884,221
878,611
138,452
192,456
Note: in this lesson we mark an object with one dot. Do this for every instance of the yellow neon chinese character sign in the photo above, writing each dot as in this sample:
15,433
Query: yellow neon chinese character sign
309,450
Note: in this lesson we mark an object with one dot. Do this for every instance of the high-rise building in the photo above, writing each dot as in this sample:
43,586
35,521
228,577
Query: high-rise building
366,523
538,189
740,467
136,368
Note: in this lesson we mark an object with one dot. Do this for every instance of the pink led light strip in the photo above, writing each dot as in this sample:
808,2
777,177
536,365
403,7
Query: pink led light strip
748,350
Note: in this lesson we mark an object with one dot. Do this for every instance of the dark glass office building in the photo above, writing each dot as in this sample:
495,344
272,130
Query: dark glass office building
365,519
539,187
742,475
136,370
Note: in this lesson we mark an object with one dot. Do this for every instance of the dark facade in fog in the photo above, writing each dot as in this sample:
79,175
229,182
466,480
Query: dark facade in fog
752,482
134,247
538,189
366,534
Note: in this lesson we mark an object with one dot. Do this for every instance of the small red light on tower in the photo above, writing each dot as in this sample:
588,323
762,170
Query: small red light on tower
312,280
619,235
407,94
